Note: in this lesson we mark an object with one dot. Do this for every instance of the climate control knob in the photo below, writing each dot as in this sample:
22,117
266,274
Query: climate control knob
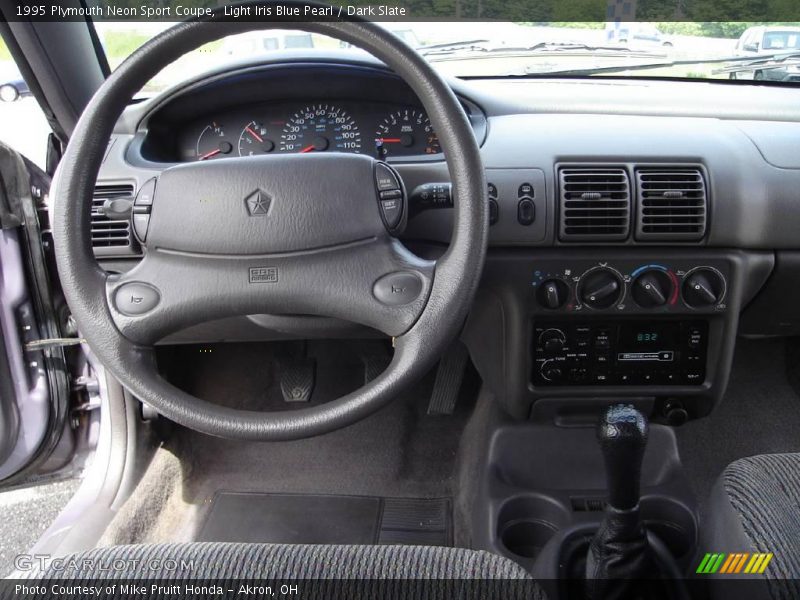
703,287
601,288
552,293
652,287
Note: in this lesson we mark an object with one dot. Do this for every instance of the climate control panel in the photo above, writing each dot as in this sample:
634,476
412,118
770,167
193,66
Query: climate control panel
620,352
630,287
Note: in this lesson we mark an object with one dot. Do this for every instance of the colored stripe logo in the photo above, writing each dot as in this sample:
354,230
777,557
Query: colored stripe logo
734,563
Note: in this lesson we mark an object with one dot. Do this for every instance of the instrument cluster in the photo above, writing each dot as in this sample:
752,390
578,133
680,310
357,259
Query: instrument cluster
384,131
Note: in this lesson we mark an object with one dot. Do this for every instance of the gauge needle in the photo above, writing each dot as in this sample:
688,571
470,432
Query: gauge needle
388,140
308,148
210,154
254,134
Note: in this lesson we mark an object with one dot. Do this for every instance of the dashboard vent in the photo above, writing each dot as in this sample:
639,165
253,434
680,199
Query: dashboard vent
111,237
672,204
595,204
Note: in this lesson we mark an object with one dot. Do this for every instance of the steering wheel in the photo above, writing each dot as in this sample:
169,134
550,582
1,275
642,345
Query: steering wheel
285,234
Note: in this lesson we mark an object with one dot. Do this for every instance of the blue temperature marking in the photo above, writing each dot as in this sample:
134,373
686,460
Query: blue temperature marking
644,267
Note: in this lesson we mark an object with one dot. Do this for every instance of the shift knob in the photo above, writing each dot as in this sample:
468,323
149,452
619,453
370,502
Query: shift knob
622,433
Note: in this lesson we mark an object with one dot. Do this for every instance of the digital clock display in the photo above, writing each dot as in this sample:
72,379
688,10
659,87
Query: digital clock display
649,337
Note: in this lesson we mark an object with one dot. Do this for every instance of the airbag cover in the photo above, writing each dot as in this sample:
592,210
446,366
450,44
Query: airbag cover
265,204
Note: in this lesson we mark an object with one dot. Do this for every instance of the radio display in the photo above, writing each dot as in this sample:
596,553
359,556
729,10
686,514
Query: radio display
644,336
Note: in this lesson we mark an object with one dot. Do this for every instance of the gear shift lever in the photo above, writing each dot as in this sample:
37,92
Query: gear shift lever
622,433
618,554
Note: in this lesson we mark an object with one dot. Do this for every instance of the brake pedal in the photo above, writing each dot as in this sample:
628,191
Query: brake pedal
449,377
297,380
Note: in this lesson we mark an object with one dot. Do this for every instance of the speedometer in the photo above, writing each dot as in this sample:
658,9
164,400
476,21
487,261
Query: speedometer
319,128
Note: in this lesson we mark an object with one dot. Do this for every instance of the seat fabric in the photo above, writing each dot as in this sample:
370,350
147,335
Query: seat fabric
755,507
418,570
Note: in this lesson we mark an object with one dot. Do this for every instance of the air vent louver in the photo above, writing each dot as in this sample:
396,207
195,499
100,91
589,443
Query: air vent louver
111,237
672,204
595,204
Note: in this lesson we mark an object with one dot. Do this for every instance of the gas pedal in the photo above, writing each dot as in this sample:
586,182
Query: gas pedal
297,379
449,377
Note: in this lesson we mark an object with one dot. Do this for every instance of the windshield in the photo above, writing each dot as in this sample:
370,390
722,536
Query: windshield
715,50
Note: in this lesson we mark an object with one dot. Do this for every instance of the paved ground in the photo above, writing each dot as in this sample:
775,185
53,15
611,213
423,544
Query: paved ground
24,128
26,515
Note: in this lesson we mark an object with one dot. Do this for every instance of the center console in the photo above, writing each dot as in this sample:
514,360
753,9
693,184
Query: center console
557,331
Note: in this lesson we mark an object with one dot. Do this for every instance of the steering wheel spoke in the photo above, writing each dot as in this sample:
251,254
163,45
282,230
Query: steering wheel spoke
375,282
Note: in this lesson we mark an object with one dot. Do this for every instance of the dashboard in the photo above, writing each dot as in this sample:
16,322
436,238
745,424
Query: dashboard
376,129
637,227
305,108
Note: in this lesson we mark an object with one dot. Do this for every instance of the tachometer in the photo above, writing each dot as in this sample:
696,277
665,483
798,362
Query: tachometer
407,131
254,139
319,128
211,142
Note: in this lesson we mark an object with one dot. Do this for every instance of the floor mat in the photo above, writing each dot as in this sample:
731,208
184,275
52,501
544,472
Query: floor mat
759,414
327,519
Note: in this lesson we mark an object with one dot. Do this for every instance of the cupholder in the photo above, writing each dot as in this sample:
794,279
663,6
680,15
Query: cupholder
526,538
526,524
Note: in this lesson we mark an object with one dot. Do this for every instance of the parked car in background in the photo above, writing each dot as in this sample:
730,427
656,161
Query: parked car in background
766,41
638,35
259,42
408,35
12,85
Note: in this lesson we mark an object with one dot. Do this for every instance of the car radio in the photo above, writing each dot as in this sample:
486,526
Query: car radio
620,352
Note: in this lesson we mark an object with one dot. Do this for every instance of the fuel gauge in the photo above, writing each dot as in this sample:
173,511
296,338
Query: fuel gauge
255,139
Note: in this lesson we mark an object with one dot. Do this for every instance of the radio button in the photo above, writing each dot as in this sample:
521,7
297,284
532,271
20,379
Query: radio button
578,374
602,339
695,338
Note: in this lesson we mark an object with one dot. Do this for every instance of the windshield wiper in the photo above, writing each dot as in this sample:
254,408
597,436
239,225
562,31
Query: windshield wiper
458,49
767,62
451,47
742,63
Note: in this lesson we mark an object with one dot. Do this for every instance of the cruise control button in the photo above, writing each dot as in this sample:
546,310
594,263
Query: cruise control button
146,193
141,221
386,194
392,212
135,299
398,288
385,178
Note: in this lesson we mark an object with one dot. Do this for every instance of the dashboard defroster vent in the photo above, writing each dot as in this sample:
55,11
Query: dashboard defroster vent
672,204
111,237
595,204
